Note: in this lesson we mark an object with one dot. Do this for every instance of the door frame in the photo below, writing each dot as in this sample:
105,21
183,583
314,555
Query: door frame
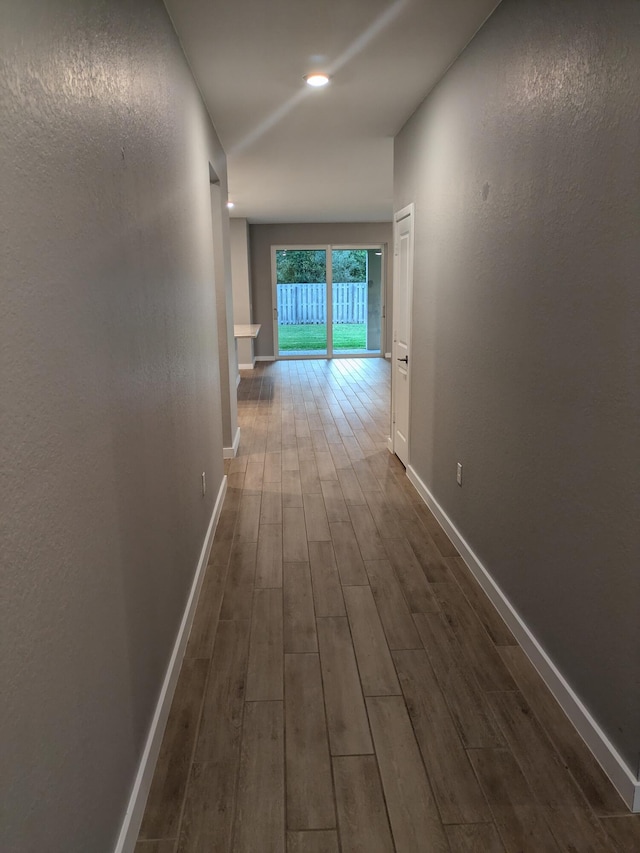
408,211
328,248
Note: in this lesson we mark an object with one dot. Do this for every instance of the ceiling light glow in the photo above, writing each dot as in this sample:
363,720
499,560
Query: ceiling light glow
316,80
230,204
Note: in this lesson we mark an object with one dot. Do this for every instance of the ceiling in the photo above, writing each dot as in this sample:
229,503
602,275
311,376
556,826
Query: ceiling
296,154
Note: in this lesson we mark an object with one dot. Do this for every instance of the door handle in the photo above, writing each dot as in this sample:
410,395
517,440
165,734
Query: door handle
405,359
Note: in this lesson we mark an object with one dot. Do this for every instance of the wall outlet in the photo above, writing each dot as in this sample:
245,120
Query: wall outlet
204,484
459,473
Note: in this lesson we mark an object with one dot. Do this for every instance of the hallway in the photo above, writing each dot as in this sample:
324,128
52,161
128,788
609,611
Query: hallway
347,686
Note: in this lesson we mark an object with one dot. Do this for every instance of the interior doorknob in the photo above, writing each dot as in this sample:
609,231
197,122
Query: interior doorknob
405,359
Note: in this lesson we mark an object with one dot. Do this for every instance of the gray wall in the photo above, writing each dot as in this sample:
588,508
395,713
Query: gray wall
109,390
262,237
242,310
224,310
523,164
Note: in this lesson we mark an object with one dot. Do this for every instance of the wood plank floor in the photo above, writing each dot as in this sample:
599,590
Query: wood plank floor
347,685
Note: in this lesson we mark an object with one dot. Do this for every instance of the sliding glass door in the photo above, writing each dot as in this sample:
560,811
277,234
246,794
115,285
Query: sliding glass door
328,301
301,302
356,301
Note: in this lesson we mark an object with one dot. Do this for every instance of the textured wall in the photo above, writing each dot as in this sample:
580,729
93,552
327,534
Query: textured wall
242,310
523,164
109,391
224,310
262,237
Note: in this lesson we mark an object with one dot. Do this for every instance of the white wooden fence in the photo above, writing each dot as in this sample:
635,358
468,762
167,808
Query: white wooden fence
299,304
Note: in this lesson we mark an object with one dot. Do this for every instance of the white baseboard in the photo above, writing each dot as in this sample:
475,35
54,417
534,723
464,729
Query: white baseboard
238,377
265,358
138,799
603,750
247,366
390,444
387,355
231,452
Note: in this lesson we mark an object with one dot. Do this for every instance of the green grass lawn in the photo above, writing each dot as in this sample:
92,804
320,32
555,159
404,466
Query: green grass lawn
314,337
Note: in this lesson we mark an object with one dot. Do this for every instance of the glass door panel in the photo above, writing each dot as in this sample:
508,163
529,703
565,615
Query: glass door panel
301,293
356,300
374,299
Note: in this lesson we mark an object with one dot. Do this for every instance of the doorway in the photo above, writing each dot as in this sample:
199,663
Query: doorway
401,354
328,301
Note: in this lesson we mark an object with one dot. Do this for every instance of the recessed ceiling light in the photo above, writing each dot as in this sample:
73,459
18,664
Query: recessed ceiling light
230,204
316,80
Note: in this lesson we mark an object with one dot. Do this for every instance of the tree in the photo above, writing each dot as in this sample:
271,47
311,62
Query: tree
349,264
302,265
308,266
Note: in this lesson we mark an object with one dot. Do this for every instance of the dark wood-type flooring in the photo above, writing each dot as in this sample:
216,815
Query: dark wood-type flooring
347,685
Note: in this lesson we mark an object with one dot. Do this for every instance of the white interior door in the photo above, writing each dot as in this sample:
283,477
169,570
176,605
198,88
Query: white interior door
401,354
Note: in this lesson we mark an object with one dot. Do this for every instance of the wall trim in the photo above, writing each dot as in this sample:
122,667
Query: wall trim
247,366
265,358
390,444
231,452
603,750
138,799
387,355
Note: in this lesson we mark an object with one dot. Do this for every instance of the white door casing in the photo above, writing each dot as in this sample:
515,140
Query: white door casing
401,353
